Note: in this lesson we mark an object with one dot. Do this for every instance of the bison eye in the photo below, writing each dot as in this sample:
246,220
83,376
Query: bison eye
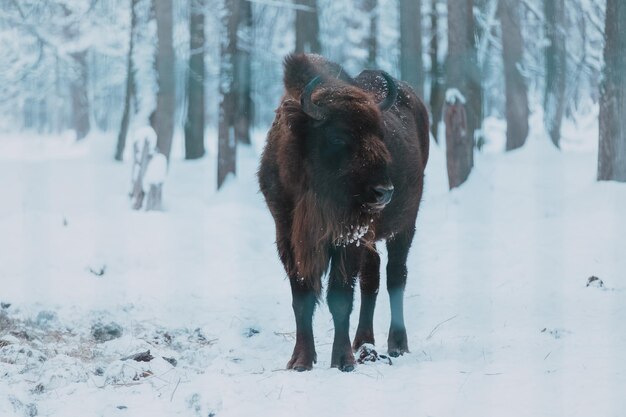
336,141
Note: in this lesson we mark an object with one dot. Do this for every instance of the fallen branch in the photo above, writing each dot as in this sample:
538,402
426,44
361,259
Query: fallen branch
432,332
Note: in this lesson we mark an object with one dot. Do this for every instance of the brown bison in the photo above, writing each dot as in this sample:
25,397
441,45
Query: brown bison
343,167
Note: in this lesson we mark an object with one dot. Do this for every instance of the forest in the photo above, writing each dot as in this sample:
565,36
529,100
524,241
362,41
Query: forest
212,65
139,272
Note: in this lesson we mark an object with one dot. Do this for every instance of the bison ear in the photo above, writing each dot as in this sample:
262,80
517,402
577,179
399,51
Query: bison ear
392,92
311,109
382,85
300,69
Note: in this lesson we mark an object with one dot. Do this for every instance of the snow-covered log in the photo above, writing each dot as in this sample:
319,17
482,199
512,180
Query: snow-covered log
149,170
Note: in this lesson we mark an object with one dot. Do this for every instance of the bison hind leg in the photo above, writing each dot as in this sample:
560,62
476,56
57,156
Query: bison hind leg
398,250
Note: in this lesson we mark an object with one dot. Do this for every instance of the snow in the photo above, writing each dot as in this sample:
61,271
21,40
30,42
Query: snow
155,172
453,95
145,134
499,316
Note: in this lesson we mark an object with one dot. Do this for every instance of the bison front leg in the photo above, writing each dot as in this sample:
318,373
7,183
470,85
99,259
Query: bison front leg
304,300
343,270
398,249
370,282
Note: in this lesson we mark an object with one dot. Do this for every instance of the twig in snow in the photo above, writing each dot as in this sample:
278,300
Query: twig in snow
174,392
432,332
99,271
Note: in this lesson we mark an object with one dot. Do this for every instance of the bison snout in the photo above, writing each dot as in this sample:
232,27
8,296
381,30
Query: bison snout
381,196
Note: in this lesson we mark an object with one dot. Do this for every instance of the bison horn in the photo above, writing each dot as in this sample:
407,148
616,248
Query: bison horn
311,109
392,92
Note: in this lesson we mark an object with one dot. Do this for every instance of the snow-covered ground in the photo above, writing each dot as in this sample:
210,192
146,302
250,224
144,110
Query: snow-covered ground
501,319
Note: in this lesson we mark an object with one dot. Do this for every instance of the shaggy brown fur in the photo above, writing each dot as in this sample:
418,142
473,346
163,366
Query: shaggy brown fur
327,182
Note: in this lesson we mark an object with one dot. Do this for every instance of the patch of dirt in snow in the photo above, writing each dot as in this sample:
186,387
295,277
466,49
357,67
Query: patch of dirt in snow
40,358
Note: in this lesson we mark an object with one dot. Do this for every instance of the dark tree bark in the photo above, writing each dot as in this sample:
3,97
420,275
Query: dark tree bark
243,74
130,86
411,66
436,72
515,84
475,83
194,125
166,98
461,59
459,149
307,28
556,67
227,142
612,148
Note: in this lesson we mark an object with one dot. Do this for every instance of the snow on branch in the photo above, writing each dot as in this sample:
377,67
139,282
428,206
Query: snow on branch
454,96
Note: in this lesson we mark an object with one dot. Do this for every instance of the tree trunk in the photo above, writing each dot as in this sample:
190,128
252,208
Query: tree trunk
459,147
79,79
80,100
307,28
166,99
515,84
612,148
371,9
243,74
227,143
436,72
459,63
411,66
194,125
556,67
474,77
130,87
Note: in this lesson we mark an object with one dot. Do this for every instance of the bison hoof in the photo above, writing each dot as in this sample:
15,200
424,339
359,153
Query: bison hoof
343,359
397,344
347,368
302,360
362,337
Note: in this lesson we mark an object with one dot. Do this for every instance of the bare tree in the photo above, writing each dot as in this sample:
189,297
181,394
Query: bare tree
130,86
459,147
474,77
80,98
437,76
227,142
411,66
194,125
371,9
556,67
243,74
307,27
79,78
166,100
515,84
612,149
459,63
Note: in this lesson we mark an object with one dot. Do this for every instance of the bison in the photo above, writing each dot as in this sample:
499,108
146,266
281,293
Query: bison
343,168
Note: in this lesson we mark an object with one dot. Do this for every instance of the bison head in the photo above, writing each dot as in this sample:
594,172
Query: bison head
344,144
340,130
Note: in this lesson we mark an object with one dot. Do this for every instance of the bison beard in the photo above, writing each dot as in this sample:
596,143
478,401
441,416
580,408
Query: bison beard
337,152
317,227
